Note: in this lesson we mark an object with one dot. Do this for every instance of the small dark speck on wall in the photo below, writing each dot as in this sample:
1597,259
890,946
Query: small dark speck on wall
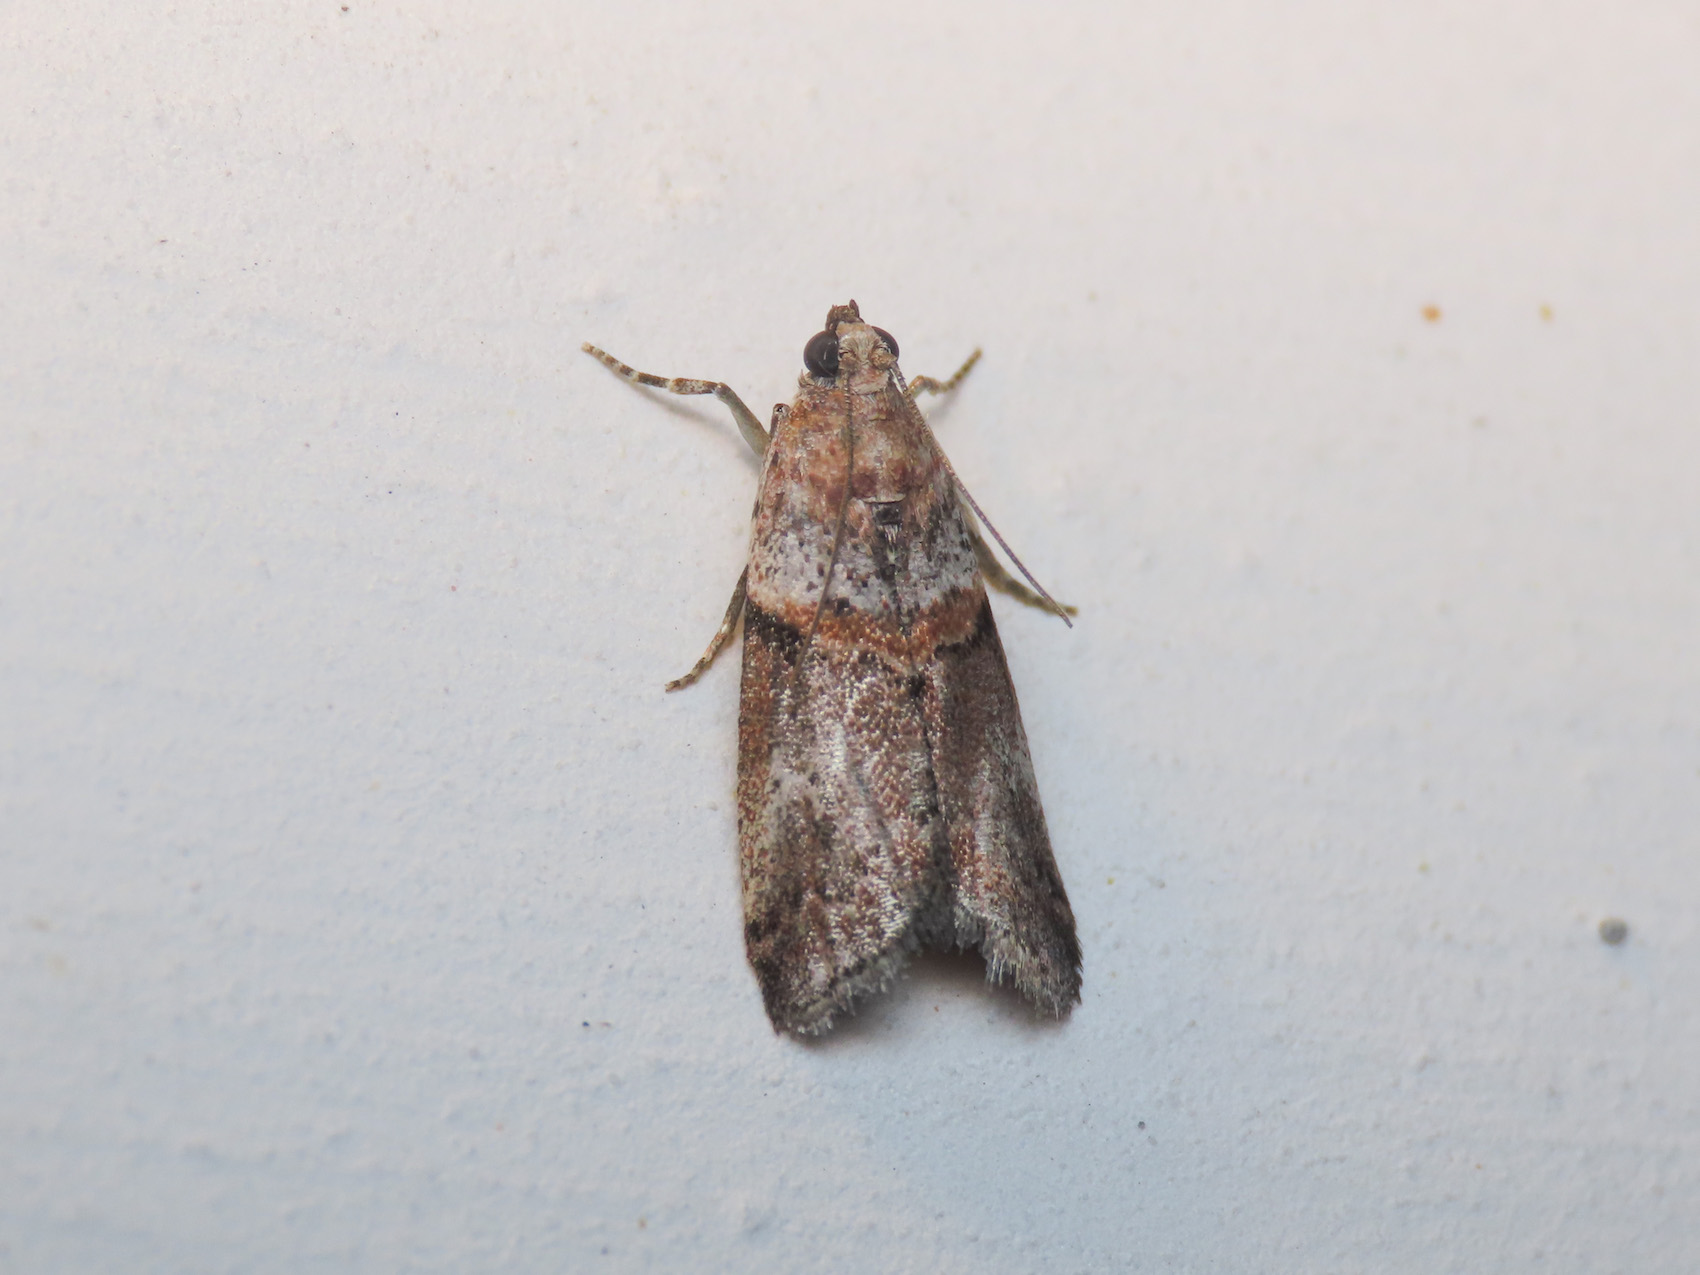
1613,930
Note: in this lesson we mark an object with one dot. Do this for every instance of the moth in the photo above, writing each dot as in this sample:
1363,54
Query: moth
886,797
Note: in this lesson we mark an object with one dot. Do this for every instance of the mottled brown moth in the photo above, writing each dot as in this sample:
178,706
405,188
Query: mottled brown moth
886,799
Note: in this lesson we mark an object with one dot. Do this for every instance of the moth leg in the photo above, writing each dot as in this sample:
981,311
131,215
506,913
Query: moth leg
932,386
722,636
748,425
1001,580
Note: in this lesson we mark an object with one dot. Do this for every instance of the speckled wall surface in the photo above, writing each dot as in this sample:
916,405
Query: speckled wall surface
364,903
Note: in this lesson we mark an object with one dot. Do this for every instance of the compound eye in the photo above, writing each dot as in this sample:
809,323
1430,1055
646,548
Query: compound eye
890,341
820,355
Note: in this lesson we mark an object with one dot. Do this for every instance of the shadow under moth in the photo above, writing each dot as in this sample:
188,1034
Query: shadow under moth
886,799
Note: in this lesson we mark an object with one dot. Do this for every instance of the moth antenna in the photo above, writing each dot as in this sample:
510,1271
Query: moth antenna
1062,611
967,495
837,542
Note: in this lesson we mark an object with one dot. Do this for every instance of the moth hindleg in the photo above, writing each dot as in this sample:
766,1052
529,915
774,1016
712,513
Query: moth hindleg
722,636
998,578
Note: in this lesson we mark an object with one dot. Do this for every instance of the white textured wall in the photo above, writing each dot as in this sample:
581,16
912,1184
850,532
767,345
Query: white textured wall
364,904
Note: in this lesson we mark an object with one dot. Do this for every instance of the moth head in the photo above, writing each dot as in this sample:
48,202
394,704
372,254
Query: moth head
847,341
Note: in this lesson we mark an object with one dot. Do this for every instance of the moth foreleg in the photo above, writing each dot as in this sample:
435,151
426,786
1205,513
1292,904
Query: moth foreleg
931,386
722,636
748,425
